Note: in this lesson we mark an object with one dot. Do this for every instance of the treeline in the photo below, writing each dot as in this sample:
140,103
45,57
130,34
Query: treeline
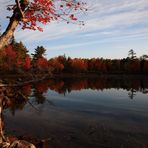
62,64
15,59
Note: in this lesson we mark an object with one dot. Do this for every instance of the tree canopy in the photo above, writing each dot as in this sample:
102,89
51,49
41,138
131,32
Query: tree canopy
30,14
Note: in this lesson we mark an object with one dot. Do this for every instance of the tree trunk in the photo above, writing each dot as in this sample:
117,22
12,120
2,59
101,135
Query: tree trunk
2,137
8,34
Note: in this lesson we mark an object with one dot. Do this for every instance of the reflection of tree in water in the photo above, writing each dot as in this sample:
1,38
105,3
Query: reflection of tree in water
38,91
67,85
39,98
132,93
15,98
12,98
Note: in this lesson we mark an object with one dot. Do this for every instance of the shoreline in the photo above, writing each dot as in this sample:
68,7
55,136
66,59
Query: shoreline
13,80
30,75
67,75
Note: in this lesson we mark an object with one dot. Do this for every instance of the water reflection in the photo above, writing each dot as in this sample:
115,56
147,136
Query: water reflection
15,97
36,95
132,93
64,86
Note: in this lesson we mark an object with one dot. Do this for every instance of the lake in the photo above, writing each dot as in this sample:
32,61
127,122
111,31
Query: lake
81,112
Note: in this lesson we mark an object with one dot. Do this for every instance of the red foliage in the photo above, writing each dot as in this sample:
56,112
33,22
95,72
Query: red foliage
42,63
41,87
79,65
10,52
44,11
19,63
56,65
10,57
78,85
27,64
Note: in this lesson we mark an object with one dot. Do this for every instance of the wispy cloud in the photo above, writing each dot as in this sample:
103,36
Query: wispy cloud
104,16
114,38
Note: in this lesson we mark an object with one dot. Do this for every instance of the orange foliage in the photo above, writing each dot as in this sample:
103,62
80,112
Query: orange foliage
78,65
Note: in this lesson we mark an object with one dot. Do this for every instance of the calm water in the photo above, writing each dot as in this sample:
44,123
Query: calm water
103,112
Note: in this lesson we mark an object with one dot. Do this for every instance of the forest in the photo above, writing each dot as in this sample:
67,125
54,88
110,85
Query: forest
15,59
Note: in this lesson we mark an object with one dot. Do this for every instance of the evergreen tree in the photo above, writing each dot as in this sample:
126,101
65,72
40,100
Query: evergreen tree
21,50
131,54
38,58
39,53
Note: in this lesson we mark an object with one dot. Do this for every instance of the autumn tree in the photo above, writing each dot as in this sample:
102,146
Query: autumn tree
22,57
30,13
42,64
15,58
55,65
27,64
8,59
39,62
78,65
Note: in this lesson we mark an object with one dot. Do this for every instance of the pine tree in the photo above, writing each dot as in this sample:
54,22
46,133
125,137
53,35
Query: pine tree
131,54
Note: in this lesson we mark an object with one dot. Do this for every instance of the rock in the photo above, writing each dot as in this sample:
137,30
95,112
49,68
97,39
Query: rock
21,144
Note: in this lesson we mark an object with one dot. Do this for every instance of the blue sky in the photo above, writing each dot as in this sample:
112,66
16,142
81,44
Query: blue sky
112,28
